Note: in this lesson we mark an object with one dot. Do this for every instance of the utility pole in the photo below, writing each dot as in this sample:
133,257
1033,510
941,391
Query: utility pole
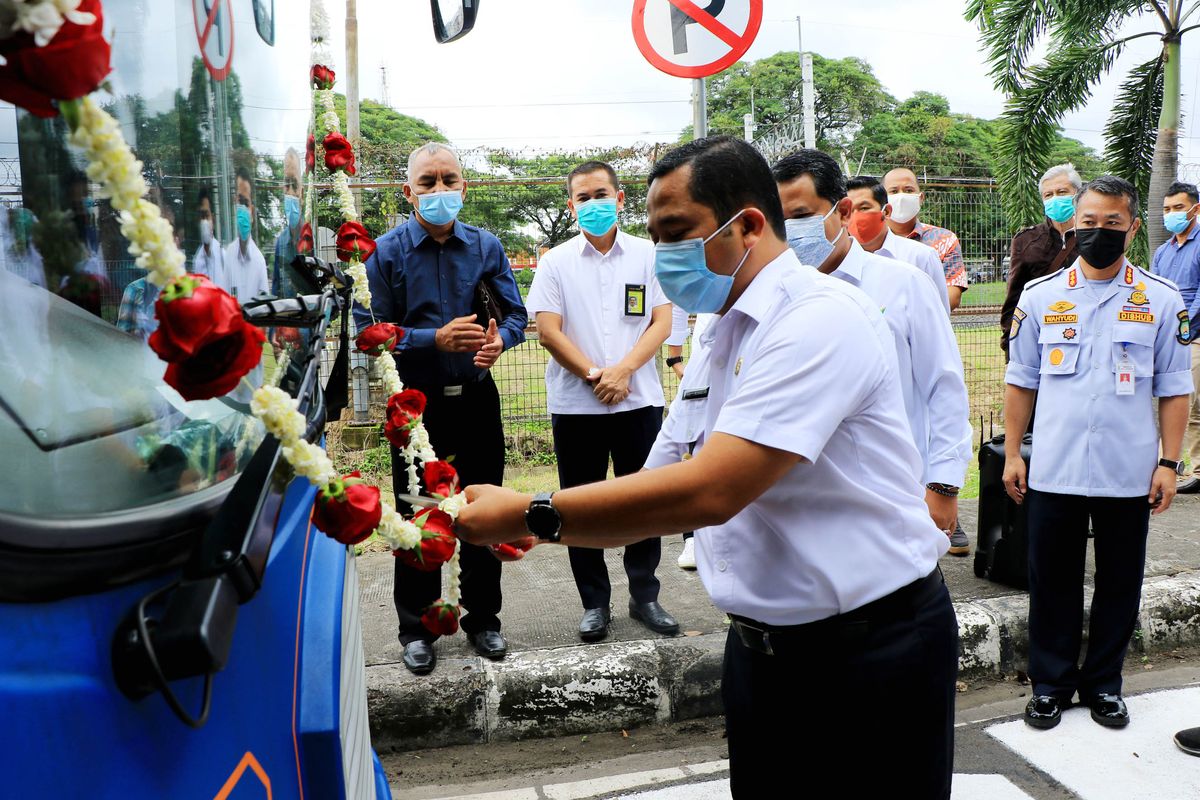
699,109
807,97
352,131
387,98
748,120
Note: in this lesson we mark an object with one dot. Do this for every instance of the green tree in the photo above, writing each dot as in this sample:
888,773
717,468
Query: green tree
847,94
1082,40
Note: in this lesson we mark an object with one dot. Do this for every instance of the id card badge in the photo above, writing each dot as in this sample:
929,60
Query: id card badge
1125,376
635,299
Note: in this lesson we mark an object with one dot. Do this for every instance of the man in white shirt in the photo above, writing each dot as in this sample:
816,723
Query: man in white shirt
817,215
209,259
601,314
245,267
810,527
869,227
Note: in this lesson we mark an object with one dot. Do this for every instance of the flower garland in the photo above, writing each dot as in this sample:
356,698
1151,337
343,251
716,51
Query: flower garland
422,541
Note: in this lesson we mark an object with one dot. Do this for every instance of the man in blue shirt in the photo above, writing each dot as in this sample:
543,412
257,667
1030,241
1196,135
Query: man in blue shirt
424,276
1178,260
1094,343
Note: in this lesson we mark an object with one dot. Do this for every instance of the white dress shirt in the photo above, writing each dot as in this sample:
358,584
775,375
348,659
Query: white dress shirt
589,291
211,264
805,363
679,327
930,367
245,276
921,256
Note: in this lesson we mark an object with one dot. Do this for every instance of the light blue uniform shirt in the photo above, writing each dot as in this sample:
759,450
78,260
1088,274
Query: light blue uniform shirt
1069,338
1180,264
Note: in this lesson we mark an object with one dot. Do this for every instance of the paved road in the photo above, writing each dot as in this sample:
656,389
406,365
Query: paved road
997,757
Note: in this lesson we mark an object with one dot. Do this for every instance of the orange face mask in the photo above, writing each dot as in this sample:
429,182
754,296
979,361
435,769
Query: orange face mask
866,225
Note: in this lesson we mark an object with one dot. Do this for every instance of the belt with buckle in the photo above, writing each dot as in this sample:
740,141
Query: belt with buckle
850,626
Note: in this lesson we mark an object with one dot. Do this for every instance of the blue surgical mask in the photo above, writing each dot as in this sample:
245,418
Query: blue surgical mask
807,239
597,217
243,222
291,210
685,278
1176,221
438,208
1061,208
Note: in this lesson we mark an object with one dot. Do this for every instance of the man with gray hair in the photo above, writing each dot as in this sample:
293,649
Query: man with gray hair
1046,247
431,275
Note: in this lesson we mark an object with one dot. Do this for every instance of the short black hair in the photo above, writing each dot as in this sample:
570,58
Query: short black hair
203,194
727,176
244,174
1112,186
826,175
866,182
1179,187
588,167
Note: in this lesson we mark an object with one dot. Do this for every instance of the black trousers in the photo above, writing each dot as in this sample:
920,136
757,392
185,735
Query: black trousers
820,704
1058,534
583,444
468,428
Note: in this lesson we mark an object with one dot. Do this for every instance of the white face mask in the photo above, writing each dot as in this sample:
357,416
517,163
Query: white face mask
905,207
206,231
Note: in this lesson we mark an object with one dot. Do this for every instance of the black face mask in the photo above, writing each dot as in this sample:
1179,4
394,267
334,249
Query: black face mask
1100,247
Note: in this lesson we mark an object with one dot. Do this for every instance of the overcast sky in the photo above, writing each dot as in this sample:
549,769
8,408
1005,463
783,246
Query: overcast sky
553,74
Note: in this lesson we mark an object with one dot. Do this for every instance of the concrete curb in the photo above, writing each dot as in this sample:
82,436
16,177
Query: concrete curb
611,686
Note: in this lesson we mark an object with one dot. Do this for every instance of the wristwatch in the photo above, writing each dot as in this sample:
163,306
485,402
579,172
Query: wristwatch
1169,464
542,519
673,360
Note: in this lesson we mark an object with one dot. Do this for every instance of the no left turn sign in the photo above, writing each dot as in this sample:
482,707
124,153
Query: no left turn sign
695,38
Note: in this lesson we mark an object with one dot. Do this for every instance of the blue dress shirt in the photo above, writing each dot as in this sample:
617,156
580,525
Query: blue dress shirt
422,285
1180,264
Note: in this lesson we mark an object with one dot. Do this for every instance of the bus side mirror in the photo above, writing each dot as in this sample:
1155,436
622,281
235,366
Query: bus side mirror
453,19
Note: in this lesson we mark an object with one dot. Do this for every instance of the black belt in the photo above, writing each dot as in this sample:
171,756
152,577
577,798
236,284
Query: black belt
764,638
448,390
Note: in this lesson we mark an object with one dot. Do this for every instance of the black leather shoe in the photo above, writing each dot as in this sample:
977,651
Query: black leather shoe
419,657
1191,486
1189,741
489,644
1109,710
654,617
1043,711
594,625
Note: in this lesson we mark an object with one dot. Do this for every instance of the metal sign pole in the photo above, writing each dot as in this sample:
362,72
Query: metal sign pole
699,108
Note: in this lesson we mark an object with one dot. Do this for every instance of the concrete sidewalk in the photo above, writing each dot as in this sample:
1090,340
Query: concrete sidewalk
552,685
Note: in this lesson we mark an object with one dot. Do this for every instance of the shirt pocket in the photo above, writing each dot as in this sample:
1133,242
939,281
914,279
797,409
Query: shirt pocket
1137,340
690,425
1060,348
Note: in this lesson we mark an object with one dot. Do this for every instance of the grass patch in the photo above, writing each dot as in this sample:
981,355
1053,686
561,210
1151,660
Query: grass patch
984,294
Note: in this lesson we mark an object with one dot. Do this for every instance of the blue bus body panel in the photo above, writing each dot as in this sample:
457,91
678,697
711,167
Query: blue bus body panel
69,732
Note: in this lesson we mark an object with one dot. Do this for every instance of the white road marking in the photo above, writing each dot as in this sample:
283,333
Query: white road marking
1140,761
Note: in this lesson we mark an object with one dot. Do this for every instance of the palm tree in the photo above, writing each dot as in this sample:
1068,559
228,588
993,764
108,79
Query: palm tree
1141,135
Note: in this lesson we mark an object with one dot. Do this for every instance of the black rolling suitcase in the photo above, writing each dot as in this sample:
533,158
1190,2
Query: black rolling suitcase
1002,544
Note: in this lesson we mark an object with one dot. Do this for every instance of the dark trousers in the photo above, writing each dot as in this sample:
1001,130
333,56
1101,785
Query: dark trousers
823,697
583,444
468,428
1058,534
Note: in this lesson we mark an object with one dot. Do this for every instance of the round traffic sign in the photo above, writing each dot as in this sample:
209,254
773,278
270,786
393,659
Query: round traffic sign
691,39
214,32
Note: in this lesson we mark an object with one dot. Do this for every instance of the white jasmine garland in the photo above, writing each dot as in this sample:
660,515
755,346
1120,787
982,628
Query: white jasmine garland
362,292
310,461
453,592
42,18
453,504
330,120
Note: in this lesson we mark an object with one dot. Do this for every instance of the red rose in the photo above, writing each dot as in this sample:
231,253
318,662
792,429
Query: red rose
310,154
69,66
322,77
404,410
378,338
437,541
348,509
354,243
339,155
441,619
202,336
441,479
305,245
